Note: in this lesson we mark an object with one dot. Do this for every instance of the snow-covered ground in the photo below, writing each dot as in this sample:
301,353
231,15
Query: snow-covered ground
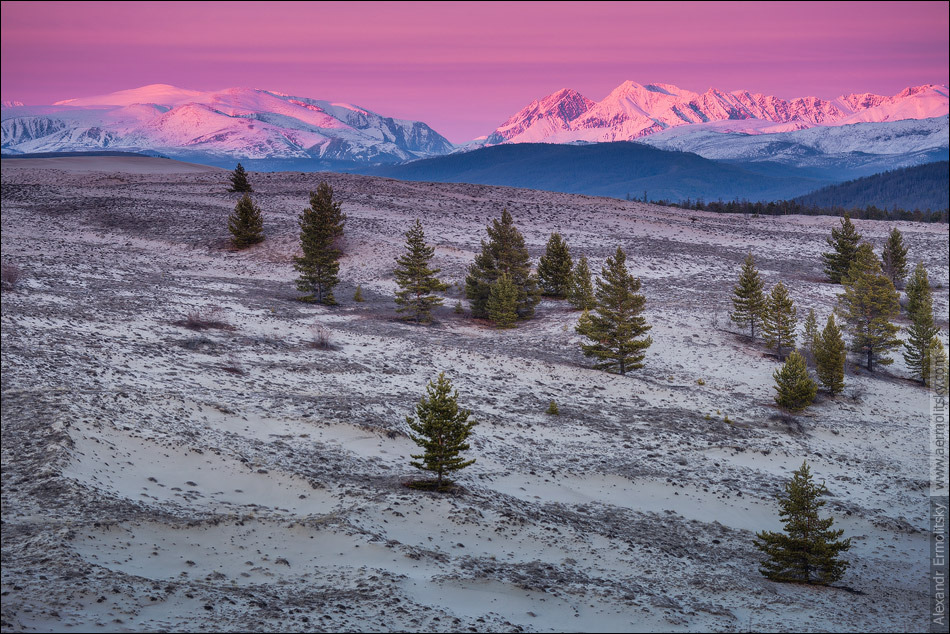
158,478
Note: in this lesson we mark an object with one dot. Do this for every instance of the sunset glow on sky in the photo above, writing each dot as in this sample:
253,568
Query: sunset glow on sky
463,68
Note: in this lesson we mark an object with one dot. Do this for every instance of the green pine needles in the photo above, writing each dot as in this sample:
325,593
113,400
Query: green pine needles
616,327
246,223
554,268
779,320
808,551
416,279
581,290
239,182
441,428
830,355
748,299
922,329
844,243
321,227
795,387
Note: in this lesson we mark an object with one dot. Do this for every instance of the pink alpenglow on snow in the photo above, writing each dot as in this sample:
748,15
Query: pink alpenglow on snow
464,66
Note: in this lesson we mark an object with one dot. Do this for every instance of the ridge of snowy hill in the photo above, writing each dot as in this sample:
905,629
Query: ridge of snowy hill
235,122
632,111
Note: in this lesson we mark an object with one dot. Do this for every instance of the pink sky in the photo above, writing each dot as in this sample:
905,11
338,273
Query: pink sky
463,68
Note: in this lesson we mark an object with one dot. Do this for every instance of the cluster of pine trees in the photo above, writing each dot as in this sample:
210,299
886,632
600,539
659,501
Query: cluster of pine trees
790,207
867,308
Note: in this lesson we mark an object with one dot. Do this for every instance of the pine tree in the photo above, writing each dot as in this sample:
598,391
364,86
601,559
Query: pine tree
808,551
554,268
922,328
246,224
358,294
321,227
441,429
811,335
894,258
617,329
830,356
937,375
796,389
748,300
503,302
581,292
868,304
779,320
416,279
844,241
504,252
239,182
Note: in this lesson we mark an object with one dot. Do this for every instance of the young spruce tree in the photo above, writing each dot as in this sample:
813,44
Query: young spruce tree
844,242
867,306
795,387
581,293
830,356
616,329
922,328
894,258
504,252
239,182
321,226
811,335
937,375
779,320
246,224
554,268
503,302
748,299
808,551
416,279
441,429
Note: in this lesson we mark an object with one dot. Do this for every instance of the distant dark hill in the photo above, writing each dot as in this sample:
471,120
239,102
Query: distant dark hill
604,169
921,187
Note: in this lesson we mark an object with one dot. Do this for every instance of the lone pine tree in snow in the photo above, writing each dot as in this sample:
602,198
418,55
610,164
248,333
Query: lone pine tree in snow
616,328
867,306
830,355
245,223
795,387
778,322
808,551
581,290
844,243
441,428
321,226
922,328
894,258
239,182
503,302
748,299
504,252
554,268
416,279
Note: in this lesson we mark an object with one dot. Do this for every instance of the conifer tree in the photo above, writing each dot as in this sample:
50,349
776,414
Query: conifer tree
748,299
245,223
779,320
808,551
867,306
922,328
416,279
441,429
894,258
844,242
796,389
554,268
503,302
811,335
830,356
239,182
937,375
504,252
581,293
321,226
617,329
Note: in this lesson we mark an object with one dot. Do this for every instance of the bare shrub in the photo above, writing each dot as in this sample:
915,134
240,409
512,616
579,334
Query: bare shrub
210,317
233,366
10,275
320,337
